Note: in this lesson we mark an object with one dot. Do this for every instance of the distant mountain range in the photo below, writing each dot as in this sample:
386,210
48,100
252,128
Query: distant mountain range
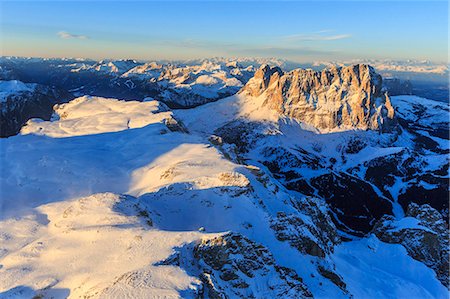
179,84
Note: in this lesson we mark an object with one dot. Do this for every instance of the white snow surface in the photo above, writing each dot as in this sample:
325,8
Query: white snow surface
371,267
73,191
147,70
14,86
433,112
207,80
114,67
93,115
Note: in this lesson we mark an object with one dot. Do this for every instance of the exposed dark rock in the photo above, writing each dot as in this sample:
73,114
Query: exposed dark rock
425,237
384,171
243,134
304,235
333,277
437,197
353,201
175,125
354,145
19,107
229,264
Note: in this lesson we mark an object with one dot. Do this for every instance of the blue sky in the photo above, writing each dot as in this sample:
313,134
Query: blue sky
295,30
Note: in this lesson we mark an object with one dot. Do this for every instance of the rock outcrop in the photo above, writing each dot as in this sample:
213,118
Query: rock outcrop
311,231
423,233
233,266
339,98
232,262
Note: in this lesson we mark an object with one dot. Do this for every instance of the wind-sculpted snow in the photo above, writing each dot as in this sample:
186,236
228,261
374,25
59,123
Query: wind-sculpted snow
83,245
91,148
92,115
115,199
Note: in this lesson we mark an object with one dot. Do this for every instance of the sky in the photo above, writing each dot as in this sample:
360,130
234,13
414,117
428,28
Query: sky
301,31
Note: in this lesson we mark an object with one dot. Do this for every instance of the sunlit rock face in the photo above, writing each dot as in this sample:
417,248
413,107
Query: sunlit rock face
339,98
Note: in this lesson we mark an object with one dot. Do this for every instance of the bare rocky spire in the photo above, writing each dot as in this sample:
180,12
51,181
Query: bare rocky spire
337,98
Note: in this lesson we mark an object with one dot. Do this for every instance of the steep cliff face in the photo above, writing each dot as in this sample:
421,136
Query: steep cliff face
339,98
21,101
424,234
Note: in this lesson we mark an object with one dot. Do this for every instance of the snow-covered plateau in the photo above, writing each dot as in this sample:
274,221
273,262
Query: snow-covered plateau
291,184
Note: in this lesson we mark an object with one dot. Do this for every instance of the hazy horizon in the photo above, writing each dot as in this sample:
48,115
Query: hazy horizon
231,58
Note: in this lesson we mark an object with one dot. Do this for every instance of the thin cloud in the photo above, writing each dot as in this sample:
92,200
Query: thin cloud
317,36
67,35
325,31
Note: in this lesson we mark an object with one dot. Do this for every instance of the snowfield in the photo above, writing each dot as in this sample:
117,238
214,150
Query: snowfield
95,202
13,86
93,115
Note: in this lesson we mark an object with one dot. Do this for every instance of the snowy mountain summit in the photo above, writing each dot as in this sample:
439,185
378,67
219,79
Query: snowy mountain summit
339,98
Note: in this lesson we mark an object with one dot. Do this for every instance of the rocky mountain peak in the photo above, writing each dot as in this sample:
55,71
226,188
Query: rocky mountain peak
338,98
261,79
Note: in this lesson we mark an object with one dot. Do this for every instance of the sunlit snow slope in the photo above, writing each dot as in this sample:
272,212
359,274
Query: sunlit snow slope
115,199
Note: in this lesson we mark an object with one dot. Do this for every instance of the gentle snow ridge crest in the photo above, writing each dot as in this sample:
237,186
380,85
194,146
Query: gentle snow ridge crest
94,115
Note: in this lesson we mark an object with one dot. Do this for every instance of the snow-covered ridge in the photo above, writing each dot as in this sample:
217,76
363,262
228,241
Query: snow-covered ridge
414,66
116,67
94,115
130,79
179,84
148,70
410,66
14,86
425,112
